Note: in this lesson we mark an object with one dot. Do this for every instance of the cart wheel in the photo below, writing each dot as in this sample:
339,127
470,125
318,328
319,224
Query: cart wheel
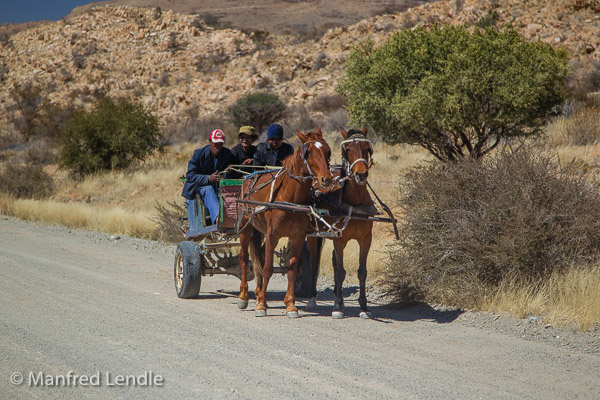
187,270
304,277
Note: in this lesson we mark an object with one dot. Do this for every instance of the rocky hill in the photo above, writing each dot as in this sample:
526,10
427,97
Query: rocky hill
177,64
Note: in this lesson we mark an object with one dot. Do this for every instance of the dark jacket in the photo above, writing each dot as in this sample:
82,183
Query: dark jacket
238,157
265,155
200,167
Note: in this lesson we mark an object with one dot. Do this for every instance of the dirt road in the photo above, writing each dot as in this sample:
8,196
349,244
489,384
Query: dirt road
76,305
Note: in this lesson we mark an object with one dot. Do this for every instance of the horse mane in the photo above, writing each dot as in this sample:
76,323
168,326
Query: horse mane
293,162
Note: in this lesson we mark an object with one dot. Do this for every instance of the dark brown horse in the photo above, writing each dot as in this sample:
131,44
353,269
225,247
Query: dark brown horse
356,161
308,167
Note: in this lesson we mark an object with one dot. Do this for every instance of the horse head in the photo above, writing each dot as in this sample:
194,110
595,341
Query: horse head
316,154
357,152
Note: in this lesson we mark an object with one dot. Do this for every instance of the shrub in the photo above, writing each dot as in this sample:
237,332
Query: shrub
25,182
470,225
259,109
192,127
111,136
28,98
328,103
169,222
581,128
453,92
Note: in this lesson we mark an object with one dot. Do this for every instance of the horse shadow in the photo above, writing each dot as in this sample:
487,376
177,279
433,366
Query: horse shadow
382,311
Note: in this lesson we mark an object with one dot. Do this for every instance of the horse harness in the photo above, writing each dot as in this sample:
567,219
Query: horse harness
273,193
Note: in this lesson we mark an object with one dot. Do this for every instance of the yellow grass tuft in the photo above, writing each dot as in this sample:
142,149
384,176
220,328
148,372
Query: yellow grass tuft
76,215
572,298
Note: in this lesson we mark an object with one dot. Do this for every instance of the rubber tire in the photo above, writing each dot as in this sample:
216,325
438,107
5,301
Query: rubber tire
192,270
303,284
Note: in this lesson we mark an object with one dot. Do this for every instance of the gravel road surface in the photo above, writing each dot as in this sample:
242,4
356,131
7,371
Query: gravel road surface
86,315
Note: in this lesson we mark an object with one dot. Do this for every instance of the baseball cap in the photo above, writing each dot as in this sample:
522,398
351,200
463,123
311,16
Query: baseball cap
217,136
248,130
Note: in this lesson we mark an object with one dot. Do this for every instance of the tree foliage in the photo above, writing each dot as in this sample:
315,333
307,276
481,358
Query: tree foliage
259,109
454,92
111,136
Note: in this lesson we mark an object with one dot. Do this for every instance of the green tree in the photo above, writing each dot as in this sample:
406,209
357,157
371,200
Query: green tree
111,136
259,109
454,92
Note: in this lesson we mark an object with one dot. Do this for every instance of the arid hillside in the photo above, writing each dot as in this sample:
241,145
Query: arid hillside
179,65
278,16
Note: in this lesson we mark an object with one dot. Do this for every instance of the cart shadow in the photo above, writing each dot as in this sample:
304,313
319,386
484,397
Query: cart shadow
381,311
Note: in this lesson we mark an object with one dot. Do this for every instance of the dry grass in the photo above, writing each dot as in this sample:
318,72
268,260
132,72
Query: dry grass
572,298
581,128
77,215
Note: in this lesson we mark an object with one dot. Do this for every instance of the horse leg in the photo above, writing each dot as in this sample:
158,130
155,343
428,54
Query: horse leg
365,246
242,301
339,275
267,272
296,244
315,246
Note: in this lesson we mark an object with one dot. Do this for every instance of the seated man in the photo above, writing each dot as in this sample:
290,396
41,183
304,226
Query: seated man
243,153
202,174
274,150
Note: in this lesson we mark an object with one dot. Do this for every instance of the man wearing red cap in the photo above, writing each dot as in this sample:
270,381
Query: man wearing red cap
202,175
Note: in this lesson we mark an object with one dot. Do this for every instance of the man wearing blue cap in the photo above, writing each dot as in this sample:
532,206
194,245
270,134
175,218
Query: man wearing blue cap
274,150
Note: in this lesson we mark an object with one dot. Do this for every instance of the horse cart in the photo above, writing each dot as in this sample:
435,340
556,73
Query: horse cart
307,199
212,249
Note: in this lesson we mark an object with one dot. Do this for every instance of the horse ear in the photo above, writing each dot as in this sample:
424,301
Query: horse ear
318,131
302,136
365,130
344,133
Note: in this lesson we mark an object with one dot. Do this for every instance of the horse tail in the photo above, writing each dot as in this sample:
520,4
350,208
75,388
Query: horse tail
257,254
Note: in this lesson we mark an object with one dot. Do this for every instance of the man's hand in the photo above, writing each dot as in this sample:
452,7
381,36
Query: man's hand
247,161
215,177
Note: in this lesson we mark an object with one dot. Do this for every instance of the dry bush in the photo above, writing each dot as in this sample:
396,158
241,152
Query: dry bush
471,225
25,182
583,80
192,127
168,219
336,119
298,117
328,103
581,128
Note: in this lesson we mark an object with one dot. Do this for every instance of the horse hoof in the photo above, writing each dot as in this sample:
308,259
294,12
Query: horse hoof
365,315
260,313
311,305
337,315
242,304
293,314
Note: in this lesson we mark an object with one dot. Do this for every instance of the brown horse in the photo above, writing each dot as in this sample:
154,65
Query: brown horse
356,161
308,167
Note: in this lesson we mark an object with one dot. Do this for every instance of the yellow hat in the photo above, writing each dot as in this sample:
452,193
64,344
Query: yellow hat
248,130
